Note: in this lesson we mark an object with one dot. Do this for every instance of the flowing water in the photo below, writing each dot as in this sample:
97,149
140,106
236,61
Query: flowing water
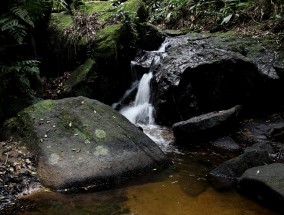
181,189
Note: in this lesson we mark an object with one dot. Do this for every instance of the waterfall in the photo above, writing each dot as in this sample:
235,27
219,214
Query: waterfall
141,111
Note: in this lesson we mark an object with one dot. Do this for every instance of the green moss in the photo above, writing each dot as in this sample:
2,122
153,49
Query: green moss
106,42
42,107
98,6
236,43
103,8
133,5
84,133
61,20
81,73
279,50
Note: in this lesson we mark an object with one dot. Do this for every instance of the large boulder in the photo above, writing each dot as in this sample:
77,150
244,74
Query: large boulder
201,73
206,126
80,142
265,183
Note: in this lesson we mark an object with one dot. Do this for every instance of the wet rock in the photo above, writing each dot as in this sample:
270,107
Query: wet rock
202,73
206,126
266,183
228,173
257,130
261,146
277,131
261,131
142,63
226,144
81,142
173,33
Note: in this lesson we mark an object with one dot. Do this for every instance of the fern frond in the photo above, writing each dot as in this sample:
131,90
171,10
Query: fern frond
15,29
22,14
23,67
10,24
60,4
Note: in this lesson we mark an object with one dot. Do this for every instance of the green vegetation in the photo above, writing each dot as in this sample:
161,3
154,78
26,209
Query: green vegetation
19,66
211,15
107,31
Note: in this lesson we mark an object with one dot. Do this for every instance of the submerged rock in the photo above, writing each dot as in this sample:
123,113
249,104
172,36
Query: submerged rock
265,183
207,125
81,142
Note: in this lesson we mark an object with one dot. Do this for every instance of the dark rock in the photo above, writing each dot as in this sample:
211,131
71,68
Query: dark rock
269,128
266,183
81,142
142,63
277,131
150,37
199,74
260,131
228,173
207,125
261,146
226,144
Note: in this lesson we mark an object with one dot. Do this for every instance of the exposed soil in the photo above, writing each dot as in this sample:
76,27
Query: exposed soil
53,87
17,173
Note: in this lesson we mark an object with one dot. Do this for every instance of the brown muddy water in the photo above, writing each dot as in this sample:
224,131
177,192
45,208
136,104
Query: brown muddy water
182,189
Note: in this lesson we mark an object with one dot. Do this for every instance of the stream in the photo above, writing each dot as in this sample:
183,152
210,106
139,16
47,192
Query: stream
181,189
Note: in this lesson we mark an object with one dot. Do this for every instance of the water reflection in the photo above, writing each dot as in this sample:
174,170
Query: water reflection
181,189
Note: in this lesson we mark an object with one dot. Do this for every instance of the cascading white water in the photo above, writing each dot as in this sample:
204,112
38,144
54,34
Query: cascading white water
141,112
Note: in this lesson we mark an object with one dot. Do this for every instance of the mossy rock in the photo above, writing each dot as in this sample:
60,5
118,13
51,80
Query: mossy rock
76,46
112,46
264,53
106,46
80,142
82,80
